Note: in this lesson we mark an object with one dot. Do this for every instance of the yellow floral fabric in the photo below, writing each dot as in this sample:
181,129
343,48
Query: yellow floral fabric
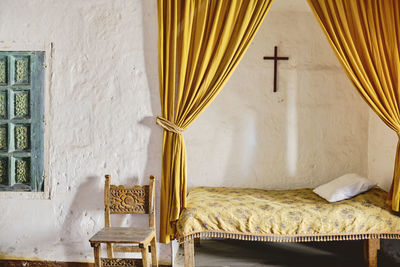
297,212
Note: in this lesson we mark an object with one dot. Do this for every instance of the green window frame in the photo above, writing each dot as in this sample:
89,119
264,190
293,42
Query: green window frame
21,121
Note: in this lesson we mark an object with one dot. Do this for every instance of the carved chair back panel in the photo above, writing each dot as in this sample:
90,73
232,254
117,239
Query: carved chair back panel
129,200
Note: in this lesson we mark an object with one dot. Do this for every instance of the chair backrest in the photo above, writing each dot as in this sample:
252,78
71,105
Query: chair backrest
135,200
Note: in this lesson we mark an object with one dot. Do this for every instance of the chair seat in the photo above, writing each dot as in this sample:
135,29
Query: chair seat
129,235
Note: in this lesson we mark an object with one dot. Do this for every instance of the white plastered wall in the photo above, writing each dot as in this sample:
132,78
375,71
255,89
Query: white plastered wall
314,129
381,151
103,94
103,97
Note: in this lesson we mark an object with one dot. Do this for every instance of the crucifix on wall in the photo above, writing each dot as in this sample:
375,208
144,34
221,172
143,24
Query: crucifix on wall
276,58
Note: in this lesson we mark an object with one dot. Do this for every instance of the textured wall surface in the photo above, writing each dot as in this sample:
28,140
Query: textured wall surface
382,142
312,130
103,97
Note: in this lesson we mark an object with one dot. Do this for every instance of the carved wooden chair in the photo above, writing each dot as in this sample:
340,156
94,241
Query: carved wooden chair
121,200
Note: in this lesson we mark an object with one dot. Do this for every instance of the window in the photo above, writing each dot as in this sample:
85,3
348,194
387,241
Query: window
21,121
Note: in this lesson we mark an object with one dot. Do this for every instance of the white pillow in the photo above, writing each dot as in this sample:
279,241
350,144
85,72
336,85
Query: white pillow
344,187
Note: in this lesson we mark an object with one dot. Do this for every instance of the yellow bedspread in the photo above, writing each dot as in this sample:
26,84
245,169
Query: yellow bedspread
285,215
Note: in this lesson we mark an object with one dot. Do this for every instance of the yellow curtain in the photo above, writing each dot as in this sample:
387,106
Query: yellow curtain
365,35
200,44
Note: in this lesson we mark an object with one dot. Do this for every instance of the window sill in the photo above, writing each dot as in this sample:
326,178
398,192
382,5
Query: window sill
26,194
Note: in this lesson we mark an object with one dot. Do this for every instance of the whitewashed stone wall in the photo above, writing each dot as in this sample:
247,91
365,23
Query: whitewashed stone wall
103,95
382,143
314,129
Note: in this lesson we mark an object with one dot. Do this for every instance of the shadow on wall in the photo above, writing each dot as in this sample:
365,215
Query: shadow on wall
266,136
154,147
84,217
301,136
150,41
390,250
85,214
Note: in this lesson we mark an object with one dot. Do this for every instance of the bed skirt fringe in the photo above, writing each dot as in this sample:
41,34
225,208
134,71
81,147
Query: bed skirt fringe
286,238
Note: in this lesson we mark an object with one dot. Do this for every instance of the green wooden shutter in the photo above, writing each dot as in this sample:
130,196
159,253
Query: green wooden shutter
21,121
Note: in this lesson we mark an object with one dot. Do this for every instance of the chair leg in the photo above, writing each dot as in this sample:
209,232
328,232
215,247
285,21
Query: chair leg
145,255
110,251
97,261
154,259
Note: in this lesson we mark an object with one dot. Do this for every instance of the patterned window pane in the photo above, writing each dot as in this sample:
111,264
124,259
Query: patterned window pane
3,104
21,104
3,70
4,171
22,137
22,171
3,138
22,70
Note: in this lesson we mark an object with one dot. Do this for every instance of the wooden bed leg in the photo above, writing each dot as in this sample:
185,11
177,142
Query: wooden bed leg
371,247
188,248
197,242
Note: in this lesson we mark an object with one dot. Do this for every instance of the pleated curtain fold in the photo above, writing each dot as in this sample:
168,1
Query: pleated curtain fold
200,44
365,35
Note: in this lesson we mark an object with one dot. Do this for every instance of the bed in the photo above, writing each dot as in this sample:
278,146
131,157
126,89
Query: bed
285,216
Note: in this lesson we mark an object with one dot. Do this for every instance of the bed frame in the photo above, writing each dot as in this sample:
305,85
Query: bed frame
371,247
223,213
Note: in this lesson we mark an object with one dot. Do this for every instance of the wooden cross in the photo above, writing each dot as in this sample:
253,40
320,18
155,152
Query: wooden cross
276,58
